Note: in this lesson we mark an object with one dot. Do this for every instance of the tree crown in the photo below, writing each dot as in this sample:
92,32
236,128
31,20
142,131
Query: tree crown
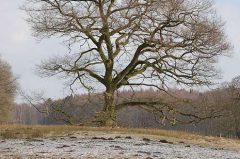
131,42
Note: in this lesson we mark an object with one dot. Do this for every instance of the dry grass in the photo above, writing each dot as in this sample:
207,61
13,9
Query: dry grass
37,131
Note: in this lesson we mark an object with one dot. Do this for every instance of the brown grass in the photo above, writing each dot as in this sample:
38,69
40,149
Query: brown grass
37,131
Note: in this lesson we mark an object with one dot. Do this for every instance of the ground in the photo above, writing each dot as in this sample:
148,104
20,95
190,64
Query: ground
106,143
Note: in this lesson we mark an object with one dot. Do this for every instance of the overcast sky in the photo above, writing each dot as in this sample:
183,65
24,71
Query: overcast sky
23,51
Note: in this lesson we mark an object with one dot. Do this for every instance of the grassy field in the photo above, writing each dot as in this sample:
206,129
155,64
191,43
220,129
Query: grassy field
37,131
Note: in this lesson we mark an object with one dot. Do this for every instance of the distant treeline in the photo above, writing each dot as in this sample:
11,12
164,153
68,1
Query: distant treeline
224,102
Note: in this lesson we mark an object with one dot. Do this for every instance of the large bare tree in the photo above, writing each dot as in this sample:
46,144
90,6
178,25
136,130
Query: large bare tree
130,43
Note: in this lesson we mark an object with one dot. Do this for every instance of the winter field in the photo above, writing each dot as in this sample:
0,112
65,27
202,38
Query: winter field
54,142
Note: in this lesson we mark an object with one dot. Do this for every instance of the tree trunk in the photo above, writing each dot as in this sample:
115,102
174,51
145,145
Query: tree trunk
109,110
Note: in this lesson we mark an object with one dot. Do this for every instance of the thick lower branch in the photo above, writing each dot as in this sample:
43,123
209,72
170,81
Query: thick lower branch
167,112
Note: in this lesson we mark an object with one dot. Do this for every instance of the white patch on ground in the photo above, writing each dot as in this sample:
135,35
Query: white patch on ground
115,146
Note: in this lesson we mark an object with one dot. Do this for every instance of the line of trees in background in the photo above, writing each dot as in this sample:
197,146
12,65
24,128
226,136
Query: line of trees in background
221,105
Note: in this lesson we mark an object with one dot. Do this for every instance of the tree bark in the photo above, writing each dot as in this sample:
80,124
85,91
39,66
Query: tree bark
109,109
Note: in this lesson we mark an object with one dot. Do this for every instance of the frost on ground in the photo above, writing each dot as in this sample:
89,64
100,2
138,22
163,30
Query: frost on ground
105,146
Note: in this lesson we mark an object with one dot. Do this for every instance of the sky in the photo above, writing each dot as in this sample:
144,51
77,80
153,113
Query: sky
22,51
